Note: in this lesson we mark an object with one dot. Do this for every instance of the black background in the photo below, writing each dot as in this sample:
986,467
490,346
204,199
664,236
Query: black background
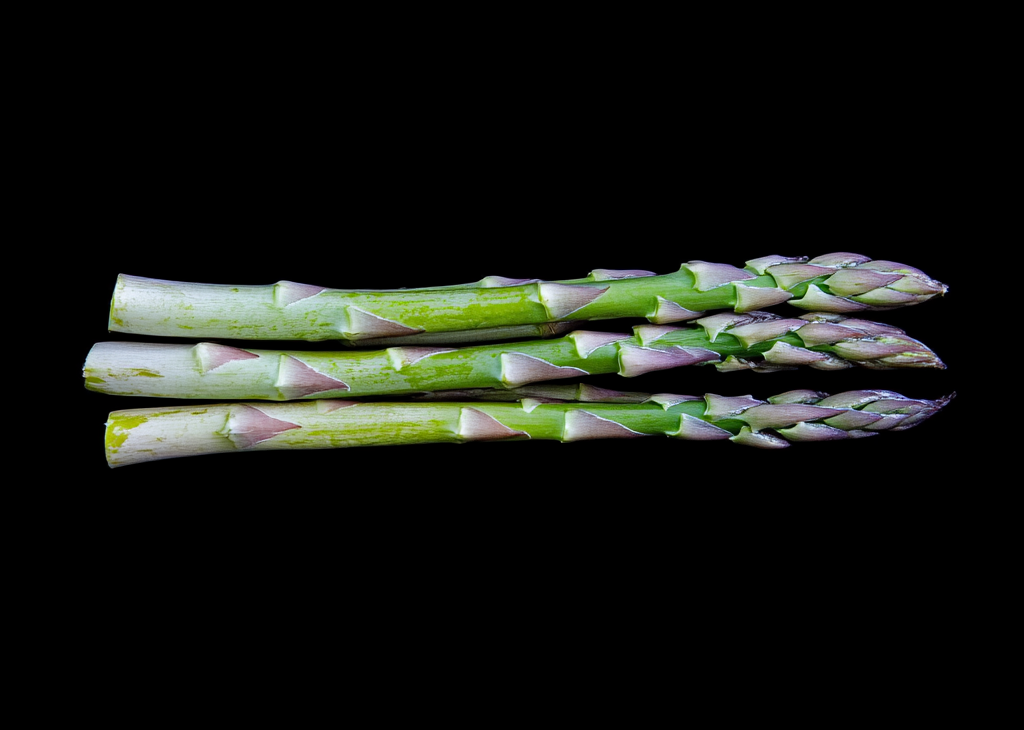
428,180
399,155
350,167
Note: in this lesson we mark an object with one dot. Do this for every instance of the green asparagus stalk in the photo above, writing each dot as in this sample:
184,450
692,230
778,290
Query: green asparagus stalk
463,337
837,283
147,434
758,340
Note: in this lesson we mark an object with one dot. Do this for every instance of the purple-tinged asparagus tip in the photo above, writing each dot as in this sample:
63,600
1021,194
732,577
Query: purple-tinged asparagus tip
798,396
887,421
886,298
861,325
893,266
784,414
853,419
887,352
856,398
826,333
840,259
915,285
813,432
782,353
924,414
848,282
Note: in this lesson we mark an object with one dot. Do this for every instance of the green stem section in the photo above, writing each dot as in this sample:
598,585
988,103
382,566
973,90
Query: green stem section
757,340
291,311
148,434
466,337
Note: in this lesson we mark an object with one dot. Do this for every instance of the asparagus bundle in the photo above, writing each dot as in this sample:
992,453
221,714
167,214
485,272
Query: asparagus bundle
758,340
147,434
837,283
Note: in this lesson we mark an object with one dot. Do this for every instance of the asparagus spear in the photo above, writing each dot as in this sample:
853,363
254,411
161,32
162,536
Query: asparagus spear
758,340
838,283
147,434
